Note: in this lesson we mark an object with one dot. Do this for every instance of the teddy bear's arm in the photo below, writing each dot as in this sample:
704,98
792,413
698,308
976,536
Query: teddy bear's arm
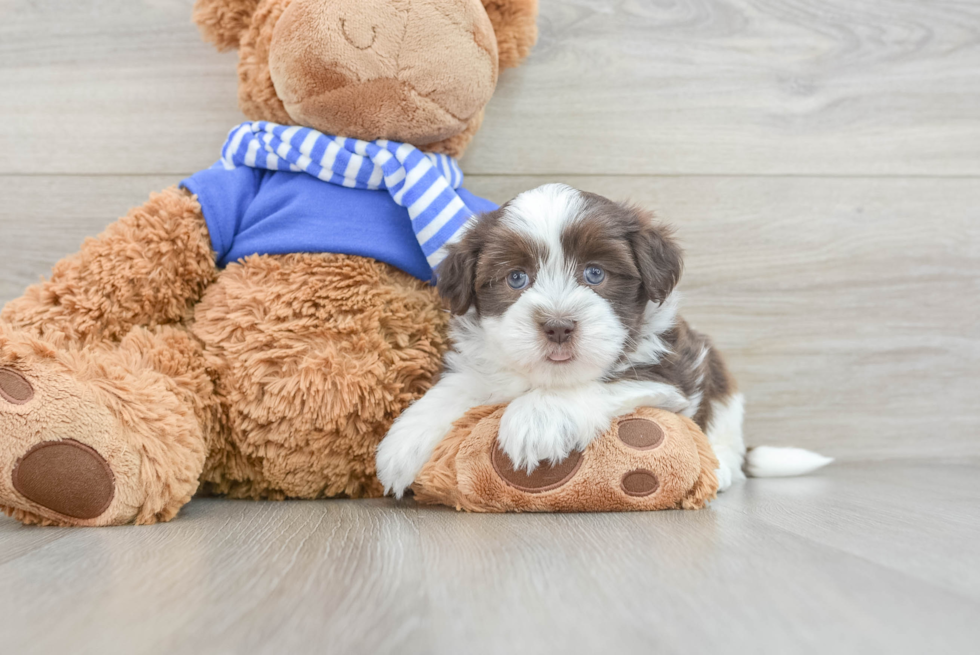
147,268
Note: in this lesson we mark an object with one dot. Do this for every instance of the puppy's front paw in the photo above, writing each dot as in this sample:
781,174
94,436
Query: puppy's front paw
399,459
530,434
729,469
724,475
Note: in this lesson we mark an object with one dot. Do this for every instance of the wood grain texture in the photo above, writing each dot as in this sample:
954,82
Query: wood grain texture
848,561
228,577
112,86
780,87
849,309
881,514
830,87
18,540
667,582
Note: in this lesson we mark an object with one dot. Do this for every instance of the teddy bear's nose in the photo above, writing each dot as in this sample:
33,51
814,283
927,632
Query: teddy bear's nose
359,33
417,71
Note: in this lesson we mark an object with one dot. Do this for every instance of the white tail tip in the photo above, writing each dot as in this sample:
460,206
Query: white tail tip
773,462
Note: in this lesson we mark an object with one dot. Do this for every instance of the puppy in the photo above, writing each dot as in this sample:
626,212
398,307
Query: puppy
564,307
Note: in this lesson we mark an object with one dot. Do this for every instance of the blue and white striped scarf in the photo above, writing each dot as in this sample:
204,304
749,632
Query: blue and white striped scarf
423,183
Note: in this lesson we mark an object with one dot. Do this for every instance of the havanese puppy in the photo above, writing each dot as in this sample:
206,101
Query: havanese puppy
564,307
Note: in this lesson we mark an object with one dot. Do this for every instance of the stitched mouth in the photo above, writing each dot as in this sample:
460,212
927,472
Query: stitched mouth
347,37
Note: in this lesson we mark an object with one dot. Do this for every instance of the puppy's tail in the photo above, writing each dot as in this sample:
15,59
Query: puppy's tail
773,462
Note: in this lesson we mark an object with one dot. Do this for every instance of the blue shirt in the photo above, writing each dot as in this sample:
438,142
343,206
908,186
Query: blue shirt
253,211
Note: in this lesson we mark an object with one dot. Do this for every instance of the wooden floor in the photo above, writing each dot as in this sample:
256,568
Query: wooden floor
864,558
821,162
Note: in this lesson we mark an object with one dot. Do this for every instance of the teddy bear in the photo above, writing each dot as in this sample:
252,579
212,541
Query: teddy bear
254,330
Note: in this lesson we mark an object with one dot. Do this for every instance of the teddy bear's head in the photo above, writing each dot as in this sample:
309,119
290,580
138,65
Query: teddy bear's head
418,71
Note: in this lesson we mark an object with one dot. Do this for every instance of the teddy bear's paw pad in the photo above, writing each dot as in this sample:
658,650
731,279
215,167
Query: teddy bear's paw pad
66,477
639,483
543,478
640,433
14,387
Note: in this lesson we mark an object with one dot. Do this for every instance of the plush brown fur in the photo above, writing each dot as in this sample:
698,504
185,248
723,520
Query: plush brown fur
316,354
277,376
257,96
148,268
460,473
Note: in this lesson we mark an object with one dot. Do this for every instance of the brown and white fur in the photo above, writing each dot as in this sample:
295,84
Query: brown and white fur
564,307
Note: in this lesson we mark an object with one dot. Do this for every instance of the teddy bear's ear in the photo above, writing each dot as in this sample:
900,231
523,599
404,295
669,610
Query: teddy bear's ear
222,22
515,23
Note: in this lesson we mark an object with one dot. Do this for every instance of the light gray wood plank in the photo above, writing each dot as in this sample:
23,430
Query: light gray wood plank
225,577
831,87
849,309
113,86
668,582
917,517
886,87
19,540
381,577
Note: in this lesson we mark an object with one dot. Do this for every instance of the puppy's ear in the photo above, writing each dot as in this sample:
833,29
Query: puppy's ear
658,257
456,277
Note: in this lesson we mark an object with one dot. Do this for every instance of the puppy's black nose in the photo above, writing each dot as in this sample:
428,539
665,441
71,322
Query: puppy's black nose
558,330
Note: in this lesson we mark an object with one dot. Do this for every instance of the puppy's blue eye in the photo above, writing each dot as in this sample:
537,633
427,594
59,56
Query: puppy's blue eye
594,275
517,279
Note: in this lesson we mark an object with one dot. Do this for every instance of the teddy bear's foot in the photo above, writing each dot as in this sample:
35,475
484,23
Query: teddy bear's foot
66,477
73,447
58,450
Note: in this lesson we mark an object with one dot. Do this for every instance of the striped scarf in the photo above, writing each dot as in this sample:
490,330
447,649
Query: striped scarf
423,183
